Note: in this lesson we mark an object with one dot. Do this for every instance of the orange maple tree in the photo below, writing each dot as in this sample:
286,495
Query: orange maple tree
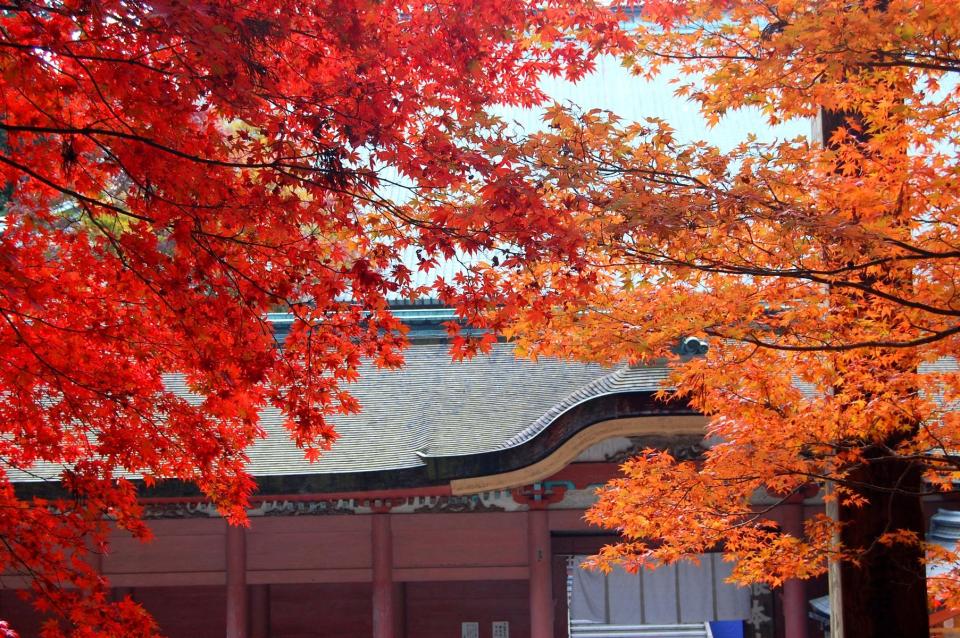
823,275
175,170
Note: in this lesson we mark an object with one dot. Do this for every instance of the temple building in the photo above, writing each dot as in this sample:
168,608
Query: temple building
452,506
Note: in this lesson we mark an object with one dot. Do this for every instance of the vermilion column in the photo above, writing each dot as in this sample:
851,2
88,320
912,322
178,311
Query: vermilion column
384,617
236,581
541,589
794,590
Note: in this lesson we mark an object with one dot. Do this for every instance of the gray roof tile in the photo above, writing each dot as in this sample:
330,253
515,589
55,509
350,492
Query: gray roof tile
433,406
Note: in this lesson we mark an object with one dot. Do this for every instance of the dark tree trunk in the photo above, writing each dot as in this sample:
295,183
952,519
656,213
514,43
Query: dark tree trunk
886,594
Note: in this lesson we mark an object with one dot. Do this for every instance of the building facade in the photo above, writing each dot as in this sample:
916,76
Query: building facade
452,506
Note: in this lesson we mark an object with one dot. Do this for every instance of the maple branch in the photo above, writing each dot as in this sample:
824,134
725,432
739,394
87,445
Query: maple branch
699,56
93,58
936,336
915,61
70,192
663,259
92,131
921,252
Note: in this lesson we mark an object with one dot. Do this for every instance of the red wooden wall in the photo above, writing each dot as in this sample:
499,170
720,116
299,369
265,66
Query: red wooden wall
320,610
435,610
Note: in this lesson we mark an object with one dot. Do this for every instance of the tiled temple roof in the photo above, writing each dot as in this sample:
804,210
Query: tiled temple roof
434,407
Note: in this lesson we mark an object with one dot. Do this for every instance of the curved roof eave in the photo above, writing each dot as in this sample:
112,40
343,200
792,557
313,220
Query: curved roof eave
601,408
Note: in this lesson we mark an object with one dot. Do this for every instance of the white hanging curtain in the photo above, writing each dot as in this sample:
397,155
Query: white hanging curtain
587,594
683,593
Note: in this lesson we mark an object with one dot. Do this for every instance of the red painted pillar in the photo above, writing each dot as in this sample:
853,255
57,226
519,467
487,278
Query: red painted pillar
236,581
259,611
384,616
541,589
794,590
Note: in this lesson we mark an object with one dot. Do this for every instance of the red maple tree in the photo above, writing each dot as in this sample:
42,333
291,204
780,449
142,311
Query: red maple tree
175,170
